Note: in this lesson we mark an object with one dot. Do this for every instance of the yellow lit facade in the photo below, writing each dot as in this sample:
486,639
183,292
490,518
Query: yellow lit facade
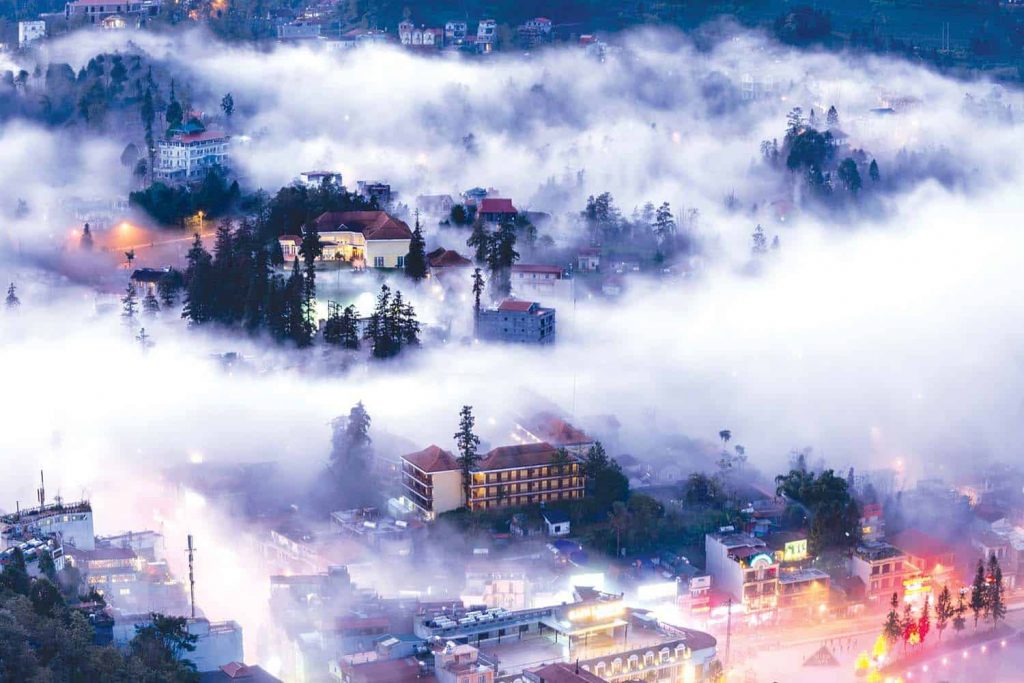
526,486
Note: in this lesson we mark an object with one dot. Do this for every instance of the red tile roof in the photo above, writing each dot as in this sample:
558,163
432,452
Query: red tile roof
565,673
496,205
448,258
406,670
374,225
556,431
432,459
200,137
525,455
516,306
295,239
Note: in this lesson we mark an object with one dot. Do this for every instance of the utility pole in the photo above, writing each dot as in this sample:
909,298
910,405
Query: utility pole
728,632
41,493
191,576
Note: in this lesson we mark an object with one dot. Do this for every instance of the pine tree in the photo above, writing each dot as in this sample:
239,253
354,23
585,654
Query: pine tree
129,303
832,117
849,175
908,624
150,305
12,300
416,259
198,286
979,592
294,309
380,329
227,105
478,290
174,113
959,621
664,223
924,622
310,249
996,592
480,241
86,241
466,442
759,242
349,328
892,629
169,286
873,171
944,610
501,256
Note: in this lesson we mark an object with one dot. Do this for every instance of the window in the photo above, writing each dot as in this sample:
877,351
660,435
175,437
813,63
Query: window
378,261
401,262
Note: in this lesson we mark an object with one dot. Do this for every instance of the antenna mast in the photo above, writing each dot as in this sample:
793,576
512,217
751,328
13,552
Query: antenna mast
191,576
41,492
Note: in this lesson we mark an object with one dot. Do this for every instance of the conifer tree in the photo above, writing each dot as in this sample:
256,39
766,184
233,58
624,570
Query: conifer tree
979,597
349,328
198,285
86,240
996,592
944,610
480,241
501,257
310,249
12,300
467,442
150,305
416,259
129,303
478,290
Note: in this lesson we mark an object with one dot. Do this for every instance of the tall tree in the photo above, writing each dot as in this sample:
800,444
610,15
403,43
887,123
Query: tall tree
86,240
478,290
944,610
908,624
959,621
198,284
311,249
174,113
873,171
892,630
849,176
996,592
227,105
12,300
664,224
351,458
466,442
979,593
924,622
150,305
416,259
501,257
129,303
349,325
480,241
759,243
832,117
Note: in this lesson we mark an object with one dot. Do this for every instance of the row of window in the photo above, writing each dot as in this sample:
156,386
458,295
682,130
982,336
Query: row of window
535,487
525,474
533,499
886,568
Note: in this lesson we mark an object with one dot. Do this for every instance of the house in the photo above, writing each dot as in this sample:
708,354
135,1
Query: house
187,156
411,35
95,11
363,238
475,195
147,279
290,246
432,481
237,672
441,261
744,568
315,179
461,664
550,428
29,32
872,523
496,210
557,522
439,205
517,321
534,31
530,279
588,259
299,30
934,559
881,568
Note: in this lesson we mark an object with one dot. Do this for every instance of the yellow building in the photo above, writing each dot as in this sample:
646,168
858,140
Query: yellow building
432,481
371,239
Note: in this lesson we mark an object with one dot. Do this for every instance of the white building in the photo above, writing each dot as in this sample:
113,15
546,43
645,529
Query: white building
71,522
217,643
315,179
455,32
187,157
486,32
30,31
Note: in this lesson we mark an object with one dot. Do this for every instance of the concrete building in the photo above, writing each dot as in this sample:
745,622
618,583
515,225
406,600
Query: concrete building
744,568
187,157
438,205
70,522
872,523
237,672
455,32
29,32
371,239
486,34
314,179
461,664
526,474
432,481
537,279
524,322
217,643
546,427
882,569
389,537
375,189
299,30
95,12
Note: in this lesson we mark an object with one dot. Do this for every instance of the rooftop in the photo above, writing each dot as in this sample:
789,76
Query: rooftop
517,306
872,552
204,136
447,258
560,672
374,225
536,268
524,455
802,575
432,459
28,515
496,205
556,431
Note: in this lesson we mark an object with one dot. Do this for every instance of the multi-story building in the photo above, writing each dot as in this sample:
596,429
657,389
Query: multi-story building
881,568
526,474
496,210
70,522
96,11
486,33
803,592
411,35
537,280
299,30
744,568
432,481
375,189
872,523
692,656
455,32
461,664
550,428
186,157
524,322
315,179
30,31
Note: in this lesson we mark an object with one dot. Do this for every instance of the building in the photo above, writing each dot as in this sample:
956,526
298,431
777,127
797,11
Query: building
872,523
147,279
462,664
930,562
375,190
187,157
32,549
315,179
534,32
743,567
486,34
556,522
237,672
390,537
411,35
455,32
441,262
496,210
524,322
538,280
96,11
439,205
690,657
881,568
497,585
432,481
363,238
560,672
149,545
406,670
71,523
29,32
550,428
588,259
803,592
299,30
217,643
526,474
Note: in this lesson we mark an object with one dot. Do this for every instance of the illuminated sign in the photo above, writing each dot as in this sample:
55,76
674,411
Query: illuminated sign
603,610
794,551
761,561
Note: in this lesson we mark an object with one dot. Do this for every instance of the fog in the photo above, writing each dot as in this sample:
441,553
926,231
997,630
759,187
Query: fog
891,333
